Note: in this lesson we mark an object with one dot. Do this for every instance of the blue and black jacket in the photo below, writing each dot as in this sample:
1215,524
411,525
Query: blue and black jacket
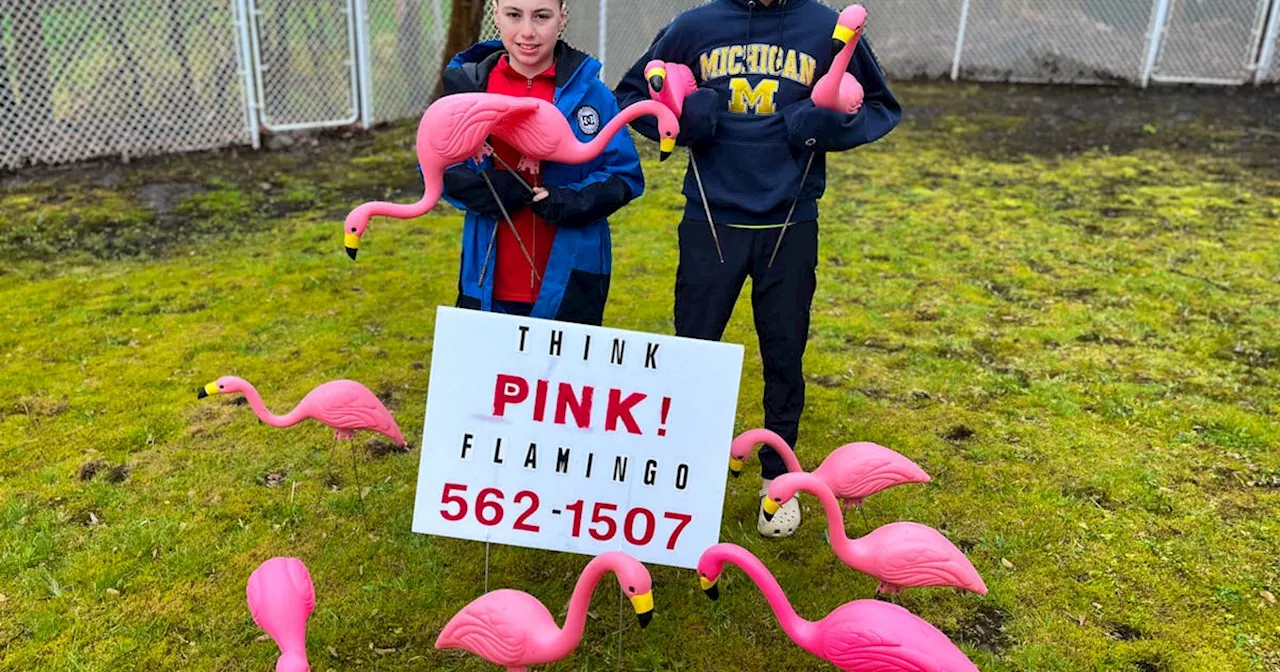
762,61
575,285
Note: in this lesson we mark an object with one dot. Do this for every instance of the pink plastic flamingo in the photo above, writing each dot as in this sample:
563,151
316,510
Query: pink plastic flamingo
900,555
513,629
854,471
456,127
858,636
544,135
344,405
281,599
670,83
838,89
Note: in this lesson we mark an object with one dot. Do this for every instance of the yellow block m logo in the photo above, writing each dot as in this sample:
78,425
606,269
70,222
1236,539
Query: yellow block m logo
758,99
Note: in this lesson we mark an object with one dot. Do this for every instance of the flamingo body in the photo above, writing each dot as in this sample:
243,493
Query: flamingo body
853,471
454,128
858,636
901,555
670,83
344,405
513,629
838,89
545,135
281,599
858,470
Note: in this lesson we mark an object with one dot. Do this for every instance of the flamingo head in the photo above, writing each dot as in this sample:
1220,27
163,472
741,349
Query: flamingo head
849,27
710,566
656,72
786,486
223,385
293,662
635,582
352,229
744,443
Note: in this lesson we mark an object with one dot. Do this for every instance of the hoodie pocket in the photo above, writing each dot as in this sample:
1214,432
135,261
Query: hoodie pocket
748,181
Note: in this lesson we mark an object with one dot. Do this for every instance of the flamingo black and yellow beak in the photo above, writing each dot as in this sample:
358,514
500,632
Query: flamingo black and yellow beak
771,507
840,37
644,607
352,242
211,388
709,587
657,78
735,467
667,145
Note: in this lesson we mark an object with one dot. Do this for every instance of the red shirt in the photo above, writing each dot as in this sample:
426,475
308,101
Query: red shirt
513,278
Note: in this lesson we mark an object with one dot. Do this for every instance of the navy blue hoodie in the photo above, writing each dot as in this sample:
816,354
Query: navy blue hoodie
763,61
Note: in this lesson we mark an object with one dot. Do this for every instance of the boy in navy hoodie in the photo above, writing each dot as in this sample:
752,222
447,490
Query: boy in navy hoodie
751,127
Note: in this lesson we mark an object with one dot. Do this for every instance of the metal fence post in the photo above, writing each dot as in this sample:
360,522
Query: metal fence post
365,71
1269,38
964,24
603,40
240,10
1155,35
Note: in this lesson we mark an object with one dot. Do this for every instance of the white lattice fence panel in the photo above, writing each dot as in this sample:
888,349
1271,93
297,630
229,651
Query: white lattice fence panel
306,56
117,77
1085,41
1210,40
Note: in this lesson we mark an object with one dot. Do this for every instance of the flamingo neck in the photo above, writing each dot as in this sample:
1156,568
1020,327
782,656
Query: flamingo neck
581,152
264,414
827,87
784,451
800,630
576,621
835,516
433,189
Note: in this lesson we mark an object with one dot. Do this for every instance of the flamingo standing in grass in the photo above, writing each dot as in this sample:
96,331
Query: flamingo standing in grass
512,628
900,555
344,405
858,636
457,127
281,599
854,471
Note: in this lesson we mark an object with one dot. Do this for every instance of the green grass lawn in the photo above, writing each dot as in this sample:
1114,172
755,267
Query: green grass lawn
1078,342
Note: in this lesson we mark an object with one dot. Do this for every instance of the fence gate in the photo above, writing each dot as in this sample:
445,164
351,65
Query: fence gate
1208,41
304,62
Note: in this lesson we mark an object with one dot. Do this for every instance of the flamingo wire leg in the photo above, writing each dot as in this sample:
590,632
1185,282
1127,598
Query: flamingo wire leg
528,257
790,212
697,177
355,465
866,527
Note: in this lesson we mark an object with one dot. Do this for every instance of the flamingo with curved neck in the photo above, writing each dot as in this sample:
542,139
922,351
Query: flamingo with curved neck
344,405
512,628
900,555
854,471
838,89
858,635
545,135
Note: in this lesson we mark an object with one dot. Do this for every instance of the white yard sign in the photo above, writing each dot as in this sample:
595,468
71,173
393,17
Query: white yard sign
575,438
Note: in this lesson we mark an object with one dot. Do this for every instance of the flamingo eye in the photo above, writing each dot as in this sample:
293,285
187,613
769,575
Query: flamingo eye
222,387
353,229
631,589
777,499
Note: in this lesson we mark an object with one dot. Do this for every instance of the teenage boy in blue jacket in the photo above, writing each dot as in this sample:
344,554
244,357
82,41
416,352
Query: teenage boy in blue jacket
751,127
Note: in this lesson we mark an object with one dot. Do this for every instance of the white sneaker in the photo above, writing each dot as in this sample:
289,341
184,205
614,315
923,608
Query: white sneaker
784,522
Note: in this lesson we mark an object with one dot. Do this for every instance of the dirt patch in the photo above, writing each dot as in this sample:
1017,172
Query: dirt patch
958,433
1124,633
985,628
1089,493
1060,119
377,448
90,469
273,479
119,474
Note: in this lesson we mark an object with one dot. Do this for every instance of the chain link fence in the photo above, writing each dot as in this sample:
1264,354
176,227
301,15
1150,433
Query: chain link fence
89,78
118,77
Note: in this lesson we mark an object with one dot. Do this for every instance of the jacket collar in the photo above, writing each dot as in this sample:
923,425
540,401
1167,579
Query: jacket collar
468,72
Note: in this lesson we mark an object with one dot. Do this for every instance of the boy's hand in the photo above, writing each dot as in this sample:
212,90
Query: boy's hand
539,193
549,204
813,127
700,116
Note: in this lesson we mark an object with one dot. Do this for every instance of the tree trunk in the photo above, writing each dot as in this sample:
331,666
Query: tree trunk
464,30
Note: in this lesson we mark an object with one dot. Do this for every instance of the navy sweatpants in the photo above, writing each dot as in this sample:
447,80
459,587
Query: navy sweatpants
781,296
